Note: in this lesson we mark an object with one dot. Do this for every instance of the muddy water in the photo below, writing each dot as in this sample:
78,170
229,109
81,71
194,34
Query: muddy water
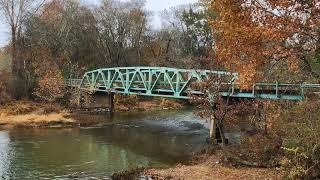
154,139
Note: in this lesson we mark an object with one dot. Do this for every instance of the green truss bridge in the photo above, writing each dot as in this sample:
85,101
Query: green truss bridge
181,83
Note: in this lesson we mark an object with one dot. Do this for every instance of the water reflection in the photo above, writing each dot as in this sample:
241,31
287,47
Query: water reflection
5,154
134,141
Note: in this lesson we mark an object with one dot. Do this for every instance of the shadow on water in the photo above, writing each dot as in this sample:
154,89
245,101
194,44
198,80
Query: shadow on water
156,139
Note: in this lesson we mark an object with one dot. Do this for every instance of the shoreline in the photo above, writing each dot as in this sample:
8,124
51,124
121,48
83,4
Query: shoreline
30,114
205,165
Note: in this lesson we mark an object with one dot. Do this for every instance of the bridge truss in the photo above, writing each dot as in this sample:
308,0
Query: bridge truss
181,83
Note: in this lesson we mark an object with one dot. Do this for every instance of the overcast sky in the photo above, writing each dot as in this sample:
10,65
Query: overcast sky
153,5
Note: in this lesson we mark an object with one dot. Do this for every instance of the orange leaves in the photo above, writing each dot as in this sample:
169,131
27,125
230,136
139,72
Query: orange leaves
250,35
237,39
50,86
52,13
293,63
247,74
272,111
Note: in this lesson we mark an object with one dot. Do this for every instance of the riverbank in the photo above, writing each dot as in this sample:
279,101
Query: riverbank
211,167
20,114
30,114
206,167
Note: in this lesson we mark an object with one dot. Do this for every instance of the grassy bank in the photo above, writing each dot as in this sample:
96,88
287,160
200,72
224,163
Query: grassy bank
204,166
212,165
30,114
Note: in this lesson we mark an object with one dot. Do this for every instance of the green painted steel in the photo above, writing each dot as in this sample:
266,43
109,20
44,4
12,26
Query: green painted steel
181,83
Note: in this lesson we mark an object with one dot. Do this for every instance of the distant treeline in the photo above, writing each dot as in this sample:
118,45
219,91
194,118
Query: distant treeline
68,38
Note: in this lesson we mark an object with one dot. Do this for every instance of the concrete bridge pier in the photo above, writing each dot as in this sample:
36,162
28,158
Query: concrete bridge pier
102,102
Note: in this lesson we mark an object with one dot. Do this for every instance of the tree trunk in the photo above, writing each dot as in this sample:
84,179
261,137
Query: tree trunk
18,72
15,63
213,128
15,66
223,138
167,50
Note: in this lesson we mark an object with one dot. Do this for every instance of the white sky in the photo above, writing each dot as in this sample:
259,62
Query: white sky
153,5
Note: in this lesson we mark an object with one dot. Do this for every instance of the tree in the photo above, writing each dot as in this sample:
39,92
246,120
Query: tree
121,26
252,36
188,34
50,86
197,33
16,12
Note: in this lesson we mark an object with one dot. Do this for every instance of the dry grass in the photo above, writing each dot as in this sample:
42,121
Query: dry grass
31,114
211,169
35,120
204,172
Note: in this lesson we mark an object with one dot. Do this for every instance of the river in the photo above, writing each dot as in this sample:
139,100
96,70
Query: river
137,139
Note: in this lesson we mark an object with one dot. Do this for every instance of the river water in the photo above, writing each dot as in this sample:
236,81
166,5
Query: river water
144,139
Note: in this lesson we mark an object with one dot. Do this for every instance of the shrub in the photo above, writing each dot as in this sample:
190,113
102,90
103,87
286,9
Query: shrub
256,150
301,125
4,88
50,86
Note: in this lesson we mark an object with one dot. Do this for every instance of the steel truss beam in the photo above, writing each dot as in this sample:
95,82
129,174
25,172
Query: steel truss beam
179,83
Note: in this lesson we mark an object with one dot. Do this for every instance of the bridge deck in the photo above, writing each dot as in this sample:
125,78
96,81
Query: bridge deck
181,83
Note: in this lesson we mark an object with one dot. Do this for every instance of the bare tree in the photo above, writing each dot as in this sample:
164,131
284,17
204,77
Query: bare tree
122,26
16,12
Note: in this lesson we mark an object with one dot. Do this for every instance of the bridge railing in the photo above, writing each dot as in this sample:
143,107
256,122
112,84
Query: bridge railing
281,91
178,83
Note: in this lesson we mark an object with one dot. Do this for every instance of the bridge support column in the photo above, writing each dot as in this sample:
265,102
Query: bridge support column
100,102
111,103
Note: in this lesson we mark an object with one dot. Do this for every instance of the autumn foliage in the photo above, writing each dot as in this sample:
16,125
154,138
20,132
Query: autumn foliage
50,86
252,36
